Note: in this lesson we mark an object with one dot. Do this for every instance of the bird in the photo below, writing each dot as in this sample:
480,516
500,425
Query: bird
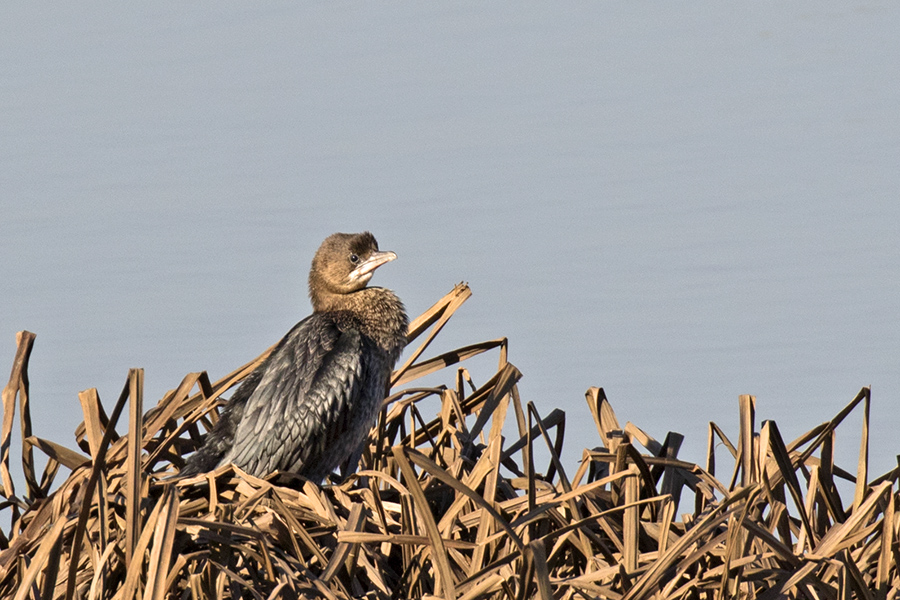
311,403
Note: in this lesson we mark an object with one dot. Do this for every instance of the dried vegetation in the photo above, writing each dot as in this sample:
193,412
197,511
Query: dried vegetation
443,504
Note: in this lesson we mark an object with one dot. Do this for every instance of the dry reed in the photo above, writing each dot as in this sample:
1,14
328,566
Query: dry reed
443,504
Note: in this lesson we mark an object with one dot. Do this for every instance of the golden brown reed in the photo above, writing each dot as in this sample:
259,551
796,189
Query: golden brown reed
443,505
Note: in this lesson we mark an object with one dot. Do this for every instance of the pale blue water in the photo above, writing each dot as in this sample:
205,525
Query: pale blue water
678,202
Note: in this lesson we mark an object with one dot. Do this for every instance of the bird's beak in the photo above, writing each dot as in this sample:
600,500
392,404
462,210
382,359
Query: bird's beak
375,260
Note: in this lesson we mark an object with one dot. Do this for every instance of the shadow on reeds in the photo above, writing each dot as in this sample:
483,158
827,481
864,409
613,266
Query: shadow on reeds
443,505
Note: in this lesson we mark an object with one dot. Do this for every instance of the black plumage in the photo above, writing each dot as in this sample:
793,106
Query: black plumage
314,399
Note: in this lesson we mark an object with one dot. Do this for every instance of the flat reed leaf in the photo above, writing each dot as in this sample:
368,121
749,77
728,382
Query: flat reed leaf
134,472
64,456
93,425
163,541
17,387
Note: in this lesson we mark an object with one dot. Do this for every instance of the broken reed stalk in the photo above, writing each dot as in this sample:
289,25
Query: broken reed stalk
443,505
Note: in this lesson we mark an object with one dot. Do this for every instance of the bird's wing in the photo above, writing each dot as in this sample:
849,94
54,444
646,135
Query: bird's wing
219,440
301,399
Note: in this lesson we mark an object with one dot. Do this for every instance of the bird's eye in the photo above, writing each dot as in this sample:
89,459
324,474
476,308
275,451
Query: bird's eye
354,258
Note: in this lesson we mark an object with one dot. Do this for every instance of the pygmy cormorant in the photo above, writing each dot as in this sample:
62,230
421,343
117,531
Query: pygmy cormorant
314,399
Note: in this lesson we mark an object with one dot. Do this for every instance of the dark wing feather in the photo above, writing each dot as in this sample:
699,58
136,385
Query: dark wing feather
300,404
219,439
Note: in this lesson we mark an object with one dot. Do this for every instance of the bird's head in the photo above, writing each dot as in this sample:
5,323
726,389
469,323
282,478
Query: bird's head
343,264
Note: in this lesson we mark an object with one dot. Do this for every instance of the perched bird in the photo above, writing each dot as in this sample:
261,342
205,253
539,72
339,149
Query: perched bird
309,406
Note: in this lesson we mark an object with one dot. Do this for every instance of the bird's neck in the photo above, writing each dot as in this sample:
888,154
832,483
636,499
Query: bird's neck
379,312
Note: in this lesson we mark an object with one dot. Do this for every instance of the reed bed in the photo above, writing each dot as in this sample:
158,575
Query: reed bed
443,504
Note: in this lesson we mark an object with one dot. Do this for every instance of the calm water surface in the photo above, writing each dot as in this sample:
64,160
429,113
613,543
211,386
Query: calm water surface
681,203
